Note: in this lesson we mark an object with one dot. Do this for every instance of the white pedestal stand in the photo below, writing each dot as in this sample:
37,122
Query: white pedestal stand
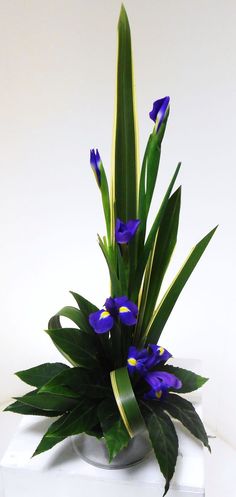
61,473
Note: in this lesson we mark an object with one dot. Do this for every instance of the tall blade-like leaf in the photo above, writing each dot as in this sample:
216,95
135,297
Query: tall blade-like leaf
125,174
163,438
168,301
145,253
162,252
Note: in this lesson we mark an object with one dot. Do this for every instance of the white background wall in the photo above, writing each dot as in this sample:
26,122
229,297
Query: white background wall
57,80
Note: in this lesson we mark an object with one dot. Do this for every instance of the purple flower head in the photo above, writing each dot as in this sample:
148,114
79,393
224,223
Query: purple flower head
160,382
157,355
119,307
125,231
158,111
95,162
137,360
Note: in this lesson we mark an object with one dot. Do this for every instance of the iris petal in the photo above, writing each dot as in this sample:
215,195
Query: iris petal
158,111
101,321
125,231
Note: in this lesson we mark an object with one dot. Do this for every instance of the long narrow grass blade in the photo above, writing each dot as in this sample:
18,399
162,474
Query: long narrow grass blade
168,301
143,257
163,249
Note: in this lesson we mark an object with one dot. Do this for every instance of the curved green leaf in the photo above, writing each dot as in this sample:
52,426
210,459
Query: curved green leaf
75,315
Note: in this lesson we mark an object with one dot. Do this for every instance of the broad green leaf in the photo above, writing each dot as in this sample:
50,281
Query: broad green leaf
74,315
50,439
168,301
190,381
80,419
45,401
80,348
114,431
162,252
125,174
20,408
39,375
82,381
163,438
184,411
85,306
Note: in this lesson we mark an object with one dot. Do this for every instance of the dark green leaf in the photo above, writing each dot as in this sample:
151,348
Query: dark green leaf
190,381
85,306
163,438
50,438
115,433
84,382
78,347
45,401
184,411
82,418
40,375
20,408
167,303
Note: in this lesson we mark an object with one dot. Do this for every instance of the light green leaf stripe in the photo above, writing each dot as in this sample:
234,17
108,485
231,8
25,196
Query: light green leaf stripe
168,301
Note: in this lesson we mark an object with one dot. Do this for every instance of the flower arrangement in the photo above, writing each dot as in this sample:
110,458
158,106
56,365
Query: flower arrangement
117,381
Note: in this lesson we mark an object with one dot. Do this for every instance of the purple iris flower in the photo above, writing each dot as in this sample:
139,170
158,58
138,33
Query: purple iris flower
95,161
157,354
119,307
158,111
137,360
125,231
160,382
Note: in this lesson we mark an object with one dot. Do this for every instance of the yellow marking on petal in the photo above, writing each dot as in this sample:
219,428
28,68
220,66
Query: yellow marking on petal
158,394
132,361
124,309
104,315
161,350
